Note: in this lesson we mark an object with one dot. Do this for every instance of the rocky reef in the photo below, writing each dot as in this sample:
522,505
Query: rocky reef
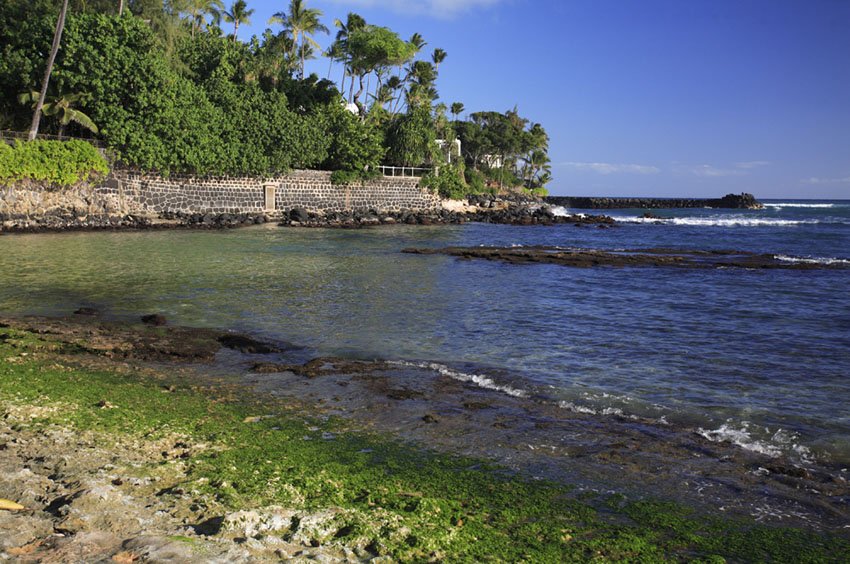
658,257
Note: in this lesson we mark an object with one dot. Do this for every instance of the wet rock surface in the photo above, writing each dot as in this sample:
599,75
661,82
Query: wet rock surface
82,494
531,433
655,257
151,341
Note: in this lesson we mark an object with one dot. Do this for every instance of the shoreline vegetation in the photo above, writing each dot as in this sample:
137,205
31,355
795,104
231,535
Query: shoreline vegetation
175,92
117,449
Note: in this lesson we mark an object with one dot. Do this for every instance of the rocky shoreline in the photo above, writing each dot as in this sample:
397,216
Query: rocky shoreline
482,209
137,221
476,209
457,415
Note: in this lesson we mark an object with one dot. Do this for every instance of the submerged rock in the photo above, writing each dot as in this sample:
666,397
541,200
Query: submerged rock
154,319
247,345
585,258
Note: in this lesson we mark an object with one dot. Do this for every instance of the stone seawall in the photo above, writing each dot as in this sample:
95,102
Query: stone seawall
310,190
733,201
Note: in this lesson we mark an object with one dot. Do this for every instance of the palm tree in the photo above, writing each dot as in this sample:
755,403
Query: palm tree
198,11
417,41
457,109
61,106
301,22
352,23
57,38
238,14
438,57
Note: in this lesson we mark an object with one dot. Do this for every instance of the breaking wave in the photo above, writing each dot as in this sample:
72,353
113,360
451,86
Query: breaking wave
722,221
772,445
477,379
798,205
813,260
561,211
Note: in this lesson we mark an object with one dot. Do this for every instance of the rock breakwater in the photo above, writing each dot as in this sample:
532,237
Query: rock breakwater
729,201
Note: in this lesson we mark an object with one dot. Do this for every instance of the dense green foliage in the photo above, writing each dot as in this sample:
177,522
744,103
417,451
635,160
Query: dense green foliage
506,148
356,149
166,90
412,138
52,162
400,501
449,182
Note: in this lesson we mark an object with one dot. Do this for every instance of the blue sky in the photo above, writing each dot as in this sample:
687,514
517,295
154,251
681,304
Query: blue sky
647,97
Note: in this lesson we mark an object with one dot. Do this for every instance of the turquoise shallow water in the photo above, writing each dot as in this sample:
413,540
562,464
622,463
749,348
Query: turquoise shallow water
761,358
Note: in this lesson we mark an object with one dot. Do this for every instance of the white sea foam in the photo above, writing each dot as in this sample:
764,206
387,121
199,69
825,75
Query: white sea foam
560,211
575,408
721,221
477,379
779,442
798,205
740,436
570,406
813,260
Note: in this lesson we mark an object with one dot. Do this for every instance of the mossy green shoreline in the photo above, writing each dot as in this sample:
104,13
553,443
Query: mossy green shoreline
393,499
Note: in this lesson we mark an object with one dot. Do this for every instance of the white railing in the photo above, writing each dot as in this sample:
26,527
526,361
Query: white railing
409,171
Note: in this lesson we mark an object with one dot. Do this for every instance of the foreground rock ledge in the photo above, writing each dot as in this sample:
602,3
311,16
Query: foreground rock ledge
678,258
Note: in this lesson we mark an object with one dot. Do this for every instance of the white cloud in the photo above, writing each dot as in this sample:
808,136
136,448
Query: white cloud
713,172
751,164
816,180
611,168
435,8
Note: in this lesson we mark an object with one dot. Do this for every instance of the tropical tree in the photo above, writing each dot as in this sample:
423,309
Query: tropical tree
57,38
418,42
342,52
301,22
457,109
438,56
422,77
198,10
238,14
61,106
374,49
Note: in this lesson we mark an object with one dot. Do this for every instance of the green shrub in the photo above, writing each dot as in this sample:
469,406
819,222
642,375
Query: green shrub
411,138
476,182
58,163
503,176
448,183
356,148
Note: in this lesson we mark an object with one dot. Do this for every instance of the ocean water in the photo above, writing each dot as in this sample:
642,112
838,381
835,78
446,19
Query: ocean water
758,358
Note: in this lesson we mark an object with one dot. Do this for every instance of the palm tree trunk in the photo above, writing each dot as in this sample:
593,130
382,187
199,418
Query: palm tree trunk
120,7
57,38
302,57
235,29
